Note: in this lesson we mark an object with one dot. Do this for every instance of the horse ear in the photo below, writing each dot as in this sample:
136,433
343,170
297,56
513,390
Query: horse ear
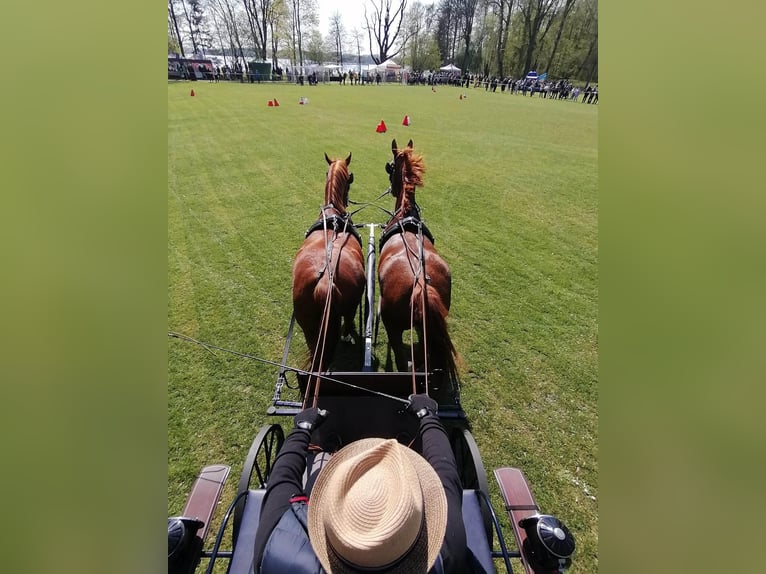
327,158
409,143
348,159
393,146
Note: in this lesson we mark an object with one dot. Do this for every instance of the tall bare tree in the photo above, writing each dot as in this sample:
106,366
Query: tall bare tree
258,12
230,19
303,15
357,37
337,33
384,24
276,16
188,19
197,26
220,31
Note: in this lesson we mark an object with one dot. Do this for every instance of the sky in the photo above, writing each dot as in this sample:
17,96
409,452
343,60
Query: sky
351,11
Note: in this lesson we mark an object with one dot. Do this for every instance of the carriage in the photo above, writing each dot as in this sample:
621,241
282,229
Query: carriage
367,403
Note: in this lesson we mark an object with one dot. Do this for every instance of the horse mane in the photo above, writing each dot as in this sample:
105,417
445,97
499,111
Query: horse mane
336,186
411,176
415,168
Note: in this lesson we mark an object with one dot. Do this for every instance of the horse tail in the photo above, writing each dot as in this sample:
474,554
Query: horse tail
326,301
442,353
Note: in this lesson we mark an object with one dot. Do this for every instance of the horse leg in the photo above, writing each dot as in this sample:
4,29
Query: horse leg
348,331
311,343
401,352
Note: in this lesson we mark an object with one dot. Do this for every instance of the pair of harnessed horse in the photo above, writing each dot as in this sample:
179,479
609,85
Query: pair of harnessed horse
329,274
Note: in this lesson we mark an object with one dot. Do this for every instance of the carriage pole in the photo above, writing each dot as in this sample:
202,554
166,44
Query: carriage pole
370,301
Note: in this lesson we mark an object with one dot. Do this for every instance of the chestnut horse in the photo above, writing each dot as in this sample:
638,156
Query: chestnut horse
415,282
328,272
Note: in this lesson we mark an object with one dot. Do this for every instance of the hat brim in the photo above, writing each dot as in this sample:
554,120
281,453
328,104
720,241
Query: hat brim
424,552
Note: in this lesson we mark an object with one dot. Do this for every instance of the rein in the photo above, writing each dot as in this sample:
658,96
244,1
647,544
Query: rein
322,341
210,348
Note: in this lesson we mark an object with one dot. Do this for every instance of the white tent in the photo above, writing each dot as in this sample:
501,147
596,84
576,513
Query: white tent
388,65
450,68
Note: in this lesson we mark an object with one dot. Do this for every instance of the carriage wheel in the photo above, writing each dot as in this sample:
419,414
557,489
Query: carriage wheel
257,467
471,471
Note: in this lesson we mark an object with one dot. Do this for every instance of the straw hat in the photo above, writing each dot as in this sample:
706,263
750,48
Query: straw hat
378,506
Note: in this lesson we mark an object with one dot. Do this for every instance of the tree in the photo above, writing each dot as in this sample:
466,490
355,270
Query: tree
447,29
192,36
504,10
466,10
568,5
275,17
535,14
592,55
357,37
175,34
337,33
229,20
258,17
315,47
384,24
302,16
422,51
577,52
197,26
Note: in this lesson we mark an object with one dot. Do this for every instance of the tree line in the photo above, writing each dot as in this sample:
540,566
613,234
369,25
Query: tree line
502,38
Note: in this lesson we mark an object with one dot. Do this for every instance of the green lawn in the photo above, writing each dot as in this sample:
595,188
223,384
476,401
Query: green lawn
511,197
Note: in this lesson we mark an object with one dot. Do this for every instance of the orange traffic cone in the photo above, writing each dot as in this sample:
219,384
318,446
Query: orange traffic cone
406,121
381,127
271,104
276,103
192,93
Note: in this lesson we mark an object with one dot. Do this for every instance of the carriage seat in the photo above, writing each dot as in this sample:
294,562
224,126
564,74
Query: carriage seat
478,545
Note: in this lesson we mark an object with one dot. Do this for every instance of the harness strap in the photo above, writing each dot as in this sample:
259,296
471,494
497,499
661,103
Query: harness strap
338,224
412,224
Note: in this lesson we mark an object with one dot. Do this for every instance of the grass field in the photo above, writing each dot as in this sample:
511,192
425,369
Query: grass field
511,197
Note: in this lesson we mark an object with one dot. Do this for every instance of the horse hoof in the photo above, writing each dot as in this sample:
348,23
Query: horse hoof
347,338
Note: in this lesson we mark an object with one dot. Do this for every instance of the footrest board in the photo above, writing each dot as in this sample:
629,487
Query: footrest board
205,494
519,503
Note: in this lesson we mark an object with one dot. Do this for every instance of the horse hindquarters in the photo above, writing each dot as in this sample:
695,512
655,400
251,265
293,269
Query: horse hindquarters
402,300
350,281
441,351
313,293
395,281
